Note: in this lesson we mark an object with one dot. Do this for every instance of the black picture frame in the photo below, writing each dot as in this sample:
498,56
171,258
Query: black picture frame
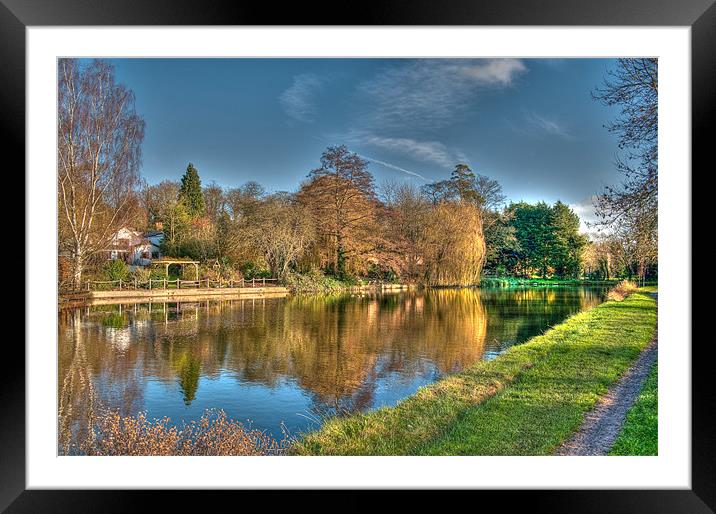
700,15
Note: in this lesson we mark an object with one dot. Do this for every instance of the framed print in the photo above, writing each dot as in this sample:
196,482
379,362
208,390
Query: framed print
416,248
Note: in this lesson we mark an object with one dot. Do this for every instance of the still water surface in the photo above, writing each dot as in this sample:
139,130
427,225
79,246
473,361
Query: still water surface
290,361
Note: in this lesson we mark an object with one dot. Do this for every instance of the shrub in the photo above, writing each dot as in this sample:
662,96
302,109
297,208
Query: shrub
229,272
115,270
251,270
157,273
313,282
622,290
224,271
141,274
213,434
188,272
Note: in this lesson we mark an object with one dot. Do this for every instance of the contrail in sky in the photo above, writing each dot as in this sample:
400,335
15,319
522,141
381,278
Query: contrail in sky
394,167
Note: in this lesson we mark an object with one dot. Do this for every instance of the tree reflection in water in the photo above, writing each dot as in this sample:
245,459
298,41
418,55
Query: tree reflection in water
273,359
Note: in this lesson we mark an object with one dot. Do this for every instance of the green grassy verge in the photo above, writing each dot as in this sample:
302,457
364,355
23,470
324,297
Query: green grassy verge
525,402
515,282
640,434
539,282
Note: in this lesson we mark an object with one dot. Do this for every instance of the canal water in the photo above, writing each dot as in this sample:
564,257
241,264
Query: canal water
286,363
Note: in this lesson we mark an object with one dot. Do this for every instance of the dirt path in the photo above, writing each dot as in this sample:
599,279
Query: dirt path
602,425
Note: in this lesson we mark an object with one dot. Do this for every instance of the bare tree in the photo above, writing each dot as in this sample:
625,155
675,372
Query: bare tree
99,154
157,199
214,200
283,233
243,201
633,86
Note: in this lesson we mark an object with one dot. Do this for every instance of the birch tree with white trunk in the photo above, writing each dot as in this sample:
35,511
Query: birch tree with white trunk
99,154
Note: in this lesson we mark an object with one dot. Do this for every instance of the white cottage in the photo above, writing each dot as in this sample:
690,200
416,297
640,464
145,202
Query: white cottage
134,247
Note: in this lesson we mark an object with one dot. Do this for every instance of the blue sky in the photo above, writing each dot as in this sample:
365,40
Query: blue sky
529,123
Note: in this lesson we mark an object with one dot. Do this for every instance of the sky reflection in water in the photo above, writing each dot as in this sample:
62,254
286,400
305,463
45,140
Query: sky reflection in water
291,360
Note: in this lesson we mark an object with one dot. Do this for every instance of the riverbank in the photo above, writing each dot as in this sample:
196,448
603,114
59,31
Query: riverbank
640,433
542,282
525,402
603,424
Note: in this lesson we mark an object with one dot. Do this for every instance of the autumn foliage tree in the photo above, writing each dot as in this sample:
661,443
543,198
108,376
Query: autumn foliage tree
455,242
341,198
99,153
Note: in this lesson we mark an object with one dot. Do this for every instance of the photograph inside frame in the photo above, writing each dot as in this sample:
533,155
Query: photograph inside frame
279,257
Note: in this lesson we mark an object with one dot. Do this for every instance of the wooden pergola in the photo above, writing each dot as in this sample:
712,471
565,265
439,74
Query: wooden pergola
168,261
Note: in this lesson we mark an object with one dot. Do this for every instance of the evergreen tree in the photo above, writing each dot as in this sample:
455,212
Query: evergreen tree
548,239
503,248
534,232
190,193
567,242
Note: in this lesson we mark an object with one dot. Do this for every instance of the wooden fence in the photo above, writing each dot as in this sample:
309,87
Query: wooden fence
163,283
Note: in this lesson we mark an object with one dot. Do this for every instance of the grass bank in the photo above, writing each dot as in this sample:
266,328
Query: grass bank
541,282
525,402
640,434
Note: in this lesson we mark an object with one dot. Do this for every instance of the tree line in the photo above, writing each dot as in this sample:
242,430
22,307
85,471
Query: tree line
338,222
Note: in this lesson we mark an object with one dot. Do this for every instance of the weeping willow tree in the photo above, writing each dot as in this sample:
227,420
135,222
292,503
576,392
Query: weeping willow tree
454,246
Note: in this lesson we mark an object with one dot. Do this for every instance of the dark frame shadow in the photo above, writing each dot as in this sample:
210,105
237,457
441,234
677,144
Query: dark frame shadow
700,15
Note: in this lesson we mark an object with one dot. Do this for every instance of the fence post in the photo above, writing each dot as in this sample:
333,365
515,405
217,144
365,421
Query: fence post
135,283
120,284
88,285
165,282
178,283
264,281
253,282
150,283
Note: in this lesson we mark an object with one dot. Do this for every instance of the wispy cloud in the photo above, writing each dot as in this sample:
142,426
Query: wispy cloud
492,71
430,151
394,167
432,93
299,100
549,126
